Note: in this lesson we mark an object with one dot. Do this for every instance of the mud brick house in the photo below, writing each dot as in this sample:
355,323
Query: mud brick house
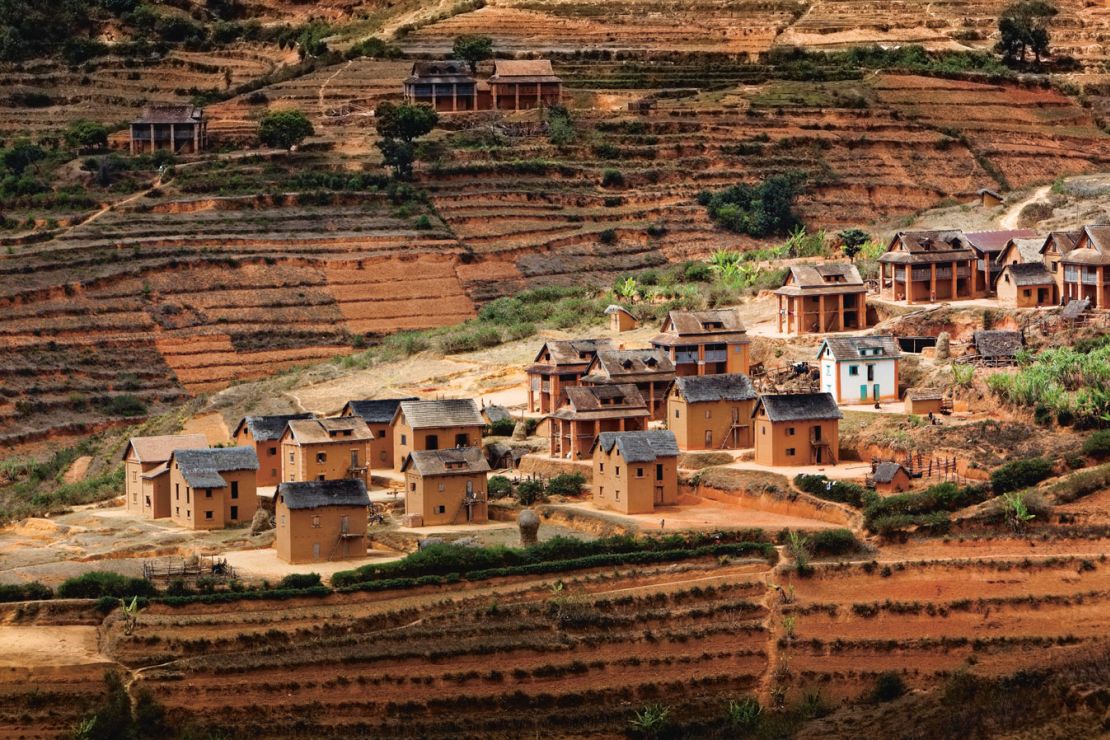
1056,245
988,245
181,129
890,477
435,425
796,429
1087,268
650,370
860,369
378,415
621,319
559,365
445,85
990,198
146,484
822,298
518,84
928,266
445,487
997,347
263,433
213,488
326,449
924,402
712,412
704,342
317,521
591,410
1026,286
635,471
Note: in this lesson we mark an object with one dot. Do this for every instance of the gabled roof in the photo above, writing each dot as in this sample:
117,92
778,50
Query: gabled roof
831,277
571,351
1063,241
853,348
614,308
629,366
443,70
1030,273
603,402
988,191
706,388
798,407
637,447
923,247
995,241
925,394
375,411
267,428
158,449
1075,308
313,494
448,412
1026,250
170,114
523,70
202,468
495,413
1092,247
885,471
713,321
457,461
335,429
997,343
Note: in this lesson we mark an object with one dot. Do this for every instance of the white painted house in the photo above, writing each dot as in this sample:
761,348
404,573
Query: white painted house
860,369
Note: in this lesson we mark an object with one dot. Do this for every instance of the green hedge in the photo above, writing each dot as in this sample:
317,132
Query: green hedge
33,591
98,583
227,597
831,490
925,508
1018,474
832,542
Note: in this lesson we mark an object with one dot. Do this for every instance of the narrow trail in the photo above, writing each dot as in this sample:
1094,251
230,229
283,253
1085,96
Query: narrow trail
773,600
323,87
1009,219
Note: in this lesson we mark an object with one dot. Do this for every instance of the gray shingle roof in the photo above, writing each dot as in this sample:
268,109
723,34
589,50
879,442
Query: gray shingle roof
497,413
453,412
170,114
625,363
727,387
885,471
799,406
1033,273
266,428
336,429
996,343
316,493
853,348
639,446
377,410
457,461
202,468
571,351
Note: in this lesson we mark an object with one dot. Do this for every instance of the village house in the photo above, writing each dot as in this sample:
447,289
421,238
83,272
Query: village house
1087,268
705,342
635,471
181,129
213,488
925,401
797,429
712,412
651,371
860,369
435,425
989,198
318,521
446,85
378,415
591,410
263,433
445,487
1026,286
621,319
1056,245
988,245
146,482
558,365
890,477
326,449
822,298
519,84
928,266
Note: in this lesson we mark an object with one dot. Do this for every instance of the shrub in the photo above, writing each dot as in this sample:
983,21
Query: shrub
612,178
566,484
284,129
833,542
98,583
697,272
300,580
830,490
761,210
1097,445
499,486
608,236
84,135
1019,474
125,405
528,491
32,591
502,428
888,687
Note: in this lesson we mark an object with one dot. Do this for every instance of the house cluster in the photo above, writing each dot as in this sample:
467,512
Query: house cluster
1022,268
451,86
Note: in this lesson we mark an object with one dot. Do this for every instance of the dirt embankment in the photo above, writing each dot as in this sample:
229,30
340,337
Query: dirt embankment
768,493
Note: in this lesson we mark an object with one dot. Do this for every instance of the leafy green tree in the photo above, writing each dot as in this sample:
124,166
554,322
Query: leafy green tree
766,209
21,155
472,49
399,125
852,241
1023,27
284,129
85,135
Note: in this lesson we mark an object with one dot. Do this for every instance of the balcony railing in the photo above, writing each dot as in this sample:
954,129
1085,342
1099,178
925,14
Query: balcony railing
718,355
684,357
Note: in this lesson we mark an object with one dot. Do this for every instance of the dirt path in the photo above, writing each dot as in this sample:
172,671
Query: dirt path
411,18
1010,218
323,88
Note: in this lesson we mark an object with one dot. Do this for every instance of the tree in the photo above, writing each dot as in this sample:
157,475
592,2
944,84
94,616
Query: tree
472,49
399,125
22,155
852,241
284,129
1023,27
85,135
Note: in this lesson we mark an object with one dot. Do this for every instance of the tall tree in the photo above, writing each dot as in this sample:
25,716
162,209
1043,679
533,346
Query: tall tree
399,126
852,241
1023,28
472,49
284,129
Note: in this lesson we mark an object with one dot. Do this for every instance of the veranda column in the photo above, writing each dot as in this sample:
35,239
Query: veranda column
454,96
173,138
861,310
933,282
780,314
1100,289
956,282
821,313
840,309
516,90
909,286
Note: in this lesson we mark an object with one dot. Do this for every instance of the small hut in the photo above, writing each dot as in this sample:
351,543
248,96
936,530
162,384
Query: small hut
620,319
990,198
890,477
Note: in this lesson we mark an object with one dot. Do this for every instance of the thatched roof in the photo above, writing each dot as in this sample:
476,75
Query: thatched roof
158,449
449,412
996,343
861,348
316,493
639,446
337,429
375,411
709,388
267,428
457,461
202,468
798,407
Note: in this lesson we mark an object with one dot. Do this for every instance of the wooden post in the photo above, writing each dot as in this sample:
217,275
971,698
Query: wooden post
173,138
701,359
132,139
861,308
933,283
821,313
152,138
1100,299
780,314
454,96
516,90
539,96
840,311
909,285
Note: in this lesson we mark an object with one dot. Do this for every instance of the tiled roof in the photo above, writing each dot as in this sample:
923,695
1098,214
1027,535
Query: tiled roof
267,428
1028,250
376,411
927,246
572,351
316,493
996,343
202,468
1064,241
624,364
639,446
523,70
453,412
995,241
158,449
603,402
457,461
713,321
852,348
336,429
799,406
444,70
703,388
497,413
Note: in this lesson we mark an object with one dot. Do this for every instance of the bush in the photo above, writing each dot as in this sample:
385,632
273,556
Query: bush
125,405
888,687
502,428
1020,474
760,210
98,583
608,236
528,491
566,484
33,591
697,272
926,509
300,580
1097,445
830,490
284,129
612,178
833,542
499,486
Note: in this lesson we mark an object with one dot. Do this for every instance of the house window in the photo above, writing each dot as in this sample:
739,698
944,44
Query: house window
320,477
290,455
676,414
462,440
381,433
283,520
273,450
870,372
853,369
617,495
234,512
639,472
790,452
354,458
177,511
177,491
659,471
404,439
441,509
708,437
148,501
208,515
412,487
188,493
208,493
321,457
431,442
442,487
1027,292
618,471
790,431
316,521
235,489
708,414
601,467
